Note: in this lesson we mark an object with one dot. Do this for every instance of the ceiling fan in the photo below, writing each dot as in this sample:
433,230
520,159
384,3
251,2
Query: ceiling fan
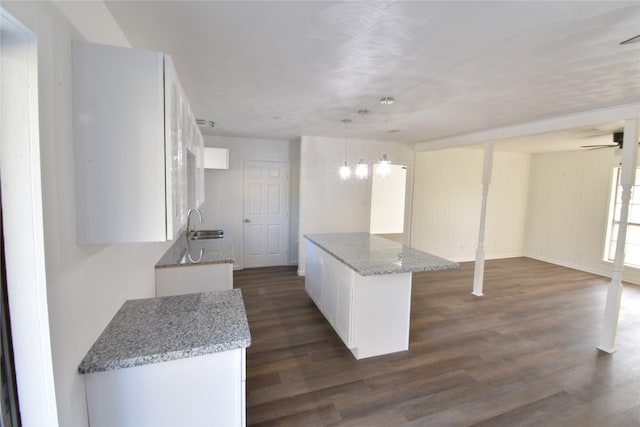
618,138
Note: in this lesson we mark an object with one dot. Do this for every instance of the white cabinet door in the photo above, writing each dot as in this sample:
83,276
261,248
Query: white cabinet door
132,126
313,272
344,311
329,304
118,101
174,104
199,169
216,158
337,290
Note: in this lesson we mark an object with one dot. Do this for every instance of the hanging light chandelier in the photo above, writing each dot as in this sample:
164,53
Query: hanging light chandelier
362,169
383,167
345,170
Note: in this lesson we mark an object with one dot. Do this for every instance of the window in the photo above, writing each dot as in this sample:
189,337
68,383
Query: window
632,247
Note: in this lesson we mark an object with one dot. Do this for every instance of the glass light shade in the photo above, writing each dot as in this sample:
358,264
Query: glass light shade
362,170
383,167
345,171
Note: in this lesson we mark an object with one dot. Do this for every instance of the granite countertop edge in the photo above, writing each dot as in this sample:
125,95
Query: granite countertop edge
383,268
89,368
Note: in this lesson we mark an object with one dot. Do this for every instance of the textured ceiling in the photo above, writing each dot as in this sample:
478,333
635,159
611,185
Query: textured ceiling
284,69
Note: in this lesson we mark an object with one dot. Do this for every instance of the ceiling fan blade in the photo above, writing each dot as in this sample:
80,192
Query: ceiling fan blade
599,146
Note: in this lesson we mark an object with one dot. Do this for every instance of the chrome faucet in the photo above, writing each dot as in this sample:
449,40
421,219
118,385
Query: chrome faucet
189,232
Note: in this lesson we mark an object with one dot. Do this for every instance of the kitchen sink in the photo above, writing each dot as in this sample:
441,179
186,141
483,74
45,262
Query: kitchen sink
207,234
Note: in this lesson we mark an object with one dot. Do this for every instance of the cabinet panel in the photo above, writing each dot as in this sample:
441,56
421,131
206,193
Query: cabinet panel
175,149
216,158
120,171
185,392
344,312
329,304
313,273
132,128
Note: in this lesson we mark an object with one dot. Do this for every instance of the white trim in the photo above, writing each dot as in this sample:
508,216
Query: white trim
23,226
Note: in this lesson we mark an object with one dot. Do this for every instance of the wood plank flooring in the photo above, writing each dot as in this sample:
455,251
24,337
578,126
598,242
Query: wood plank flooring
522,355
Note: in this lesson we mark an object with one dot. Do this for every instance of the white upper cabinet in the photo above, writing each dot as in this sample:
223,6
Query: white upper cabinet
138,151
216,158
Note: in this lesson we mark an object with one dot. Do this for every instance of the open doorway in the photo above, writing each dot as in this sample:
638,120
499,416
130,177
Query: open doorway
387,204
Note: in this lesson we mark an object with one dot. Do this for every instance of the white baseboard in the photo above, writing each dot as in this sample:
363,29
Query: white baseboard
587,269
487,257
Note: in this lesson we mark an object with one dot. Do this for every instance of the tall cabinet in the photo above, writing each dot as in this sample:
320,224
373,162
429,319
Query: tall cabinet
138,151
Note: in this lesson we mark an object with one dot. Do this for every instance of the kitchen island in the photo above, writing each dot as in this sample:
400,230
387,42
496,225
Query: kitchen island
362,285
177,360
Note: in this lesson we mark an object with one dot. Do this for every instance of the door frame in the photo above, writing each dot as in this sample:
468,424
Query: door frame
23,226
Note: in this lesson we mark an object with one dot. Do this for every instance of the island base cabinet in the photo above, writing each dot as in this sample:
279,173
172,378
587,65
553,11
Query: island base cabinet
381,314
196,391
193,278
371,314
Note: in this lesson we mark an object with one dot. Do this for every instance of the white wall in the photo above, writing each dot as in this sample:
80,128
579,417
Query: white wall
223,205
448,197
85,284
387,201
568,208
329,204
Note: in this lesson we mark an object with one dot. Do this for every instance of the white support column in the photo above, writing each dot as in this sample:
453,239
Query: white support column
614,292
478,275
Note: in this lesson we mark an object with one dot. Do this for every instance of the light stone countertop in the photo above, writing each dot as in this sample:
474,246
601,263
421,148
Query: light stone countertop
370,255
153,330
214,251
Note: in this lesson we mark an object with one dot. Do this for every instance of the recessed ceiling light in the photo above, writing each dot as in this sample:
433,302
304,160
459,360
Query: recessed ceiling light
387,100
635,39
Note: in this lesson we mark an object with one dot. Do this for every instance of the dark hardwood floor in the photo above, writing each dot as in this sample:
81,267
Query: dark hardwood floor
522,355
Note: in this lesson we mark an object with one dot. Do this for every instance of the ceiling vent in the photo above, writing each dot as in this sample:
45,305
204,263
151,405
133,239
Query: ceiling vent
207,124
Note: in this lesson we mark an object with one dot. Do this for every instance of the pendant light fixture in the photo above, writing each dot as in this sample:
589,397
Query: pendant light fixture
362,169
345,170
383,167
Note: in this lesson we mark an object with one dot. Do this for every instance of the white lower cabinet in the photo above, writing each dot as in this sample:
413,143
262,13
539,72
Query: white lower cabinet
369,313
206,390
193,278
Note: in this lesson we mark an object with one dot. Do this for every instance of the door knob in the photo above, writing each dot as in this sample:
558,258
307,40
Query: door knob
247,220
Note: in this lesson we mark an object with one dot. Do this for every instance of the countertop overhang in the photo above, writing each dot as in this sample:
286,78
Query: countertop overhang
153,330
369,255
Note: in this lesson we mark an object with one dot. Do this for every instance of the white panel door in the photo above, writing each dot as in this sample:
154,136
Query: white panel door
266,218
